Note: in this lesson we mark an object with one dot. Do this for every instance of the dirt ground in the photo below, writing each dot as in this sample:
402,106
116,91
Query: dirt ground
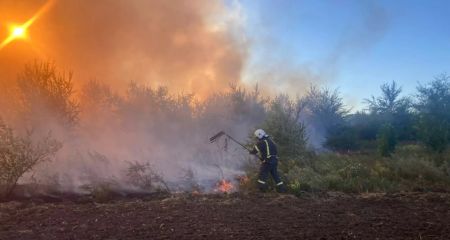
235,216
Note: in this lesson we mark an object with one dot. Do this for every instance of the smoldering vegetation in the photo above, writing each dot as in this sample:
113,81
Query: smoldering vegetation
146,139
99,141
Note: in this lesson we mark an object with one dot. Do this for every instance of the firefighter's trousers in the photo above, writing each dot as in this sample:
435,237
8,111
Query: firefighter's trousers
270,166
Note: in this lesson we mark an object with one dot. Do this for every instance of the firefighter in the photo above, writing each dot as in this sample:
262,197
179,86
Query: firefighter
268,154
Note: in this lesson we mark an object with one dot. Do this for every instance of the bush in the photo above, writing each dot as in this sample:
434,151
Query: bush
304,179
342,139
323,111
434,113
409,169
18,155
416,169
145,177
386,140
283,124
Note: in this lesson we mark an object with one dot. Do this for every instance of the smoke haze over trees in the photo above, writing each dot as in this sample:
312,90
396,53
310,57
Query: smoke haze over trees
102,131
142,85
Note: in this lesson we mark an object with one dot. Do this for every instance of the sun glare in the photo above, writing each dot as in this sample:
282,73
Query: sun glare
20,31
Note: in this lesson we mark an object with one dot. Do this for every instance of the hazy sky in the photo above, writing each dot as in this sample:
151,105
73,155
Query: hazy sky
202,45
354,45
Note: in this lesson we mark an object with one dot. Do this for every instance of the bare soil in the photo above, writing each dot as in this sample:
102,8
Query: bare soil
235,216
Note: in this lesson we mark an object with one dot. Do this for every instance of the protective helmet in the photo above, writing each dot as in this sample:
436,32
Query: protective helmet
260,133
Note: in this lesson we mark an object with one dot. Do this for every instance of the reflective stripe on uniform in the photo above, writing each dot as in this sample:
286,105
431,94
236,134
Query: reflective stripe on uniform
268,150
257,149
280,183
261,181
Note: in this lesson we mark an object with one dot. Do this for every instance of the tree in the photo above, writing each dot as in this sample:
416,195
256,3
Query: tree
47,94
395,110
283,124
324,111
389,101
19,155
433,107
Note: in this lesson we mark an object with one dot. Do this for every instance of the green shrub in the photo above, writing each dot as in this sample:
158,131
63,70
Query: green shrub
283,124
434,113
304,179
386,140
409,169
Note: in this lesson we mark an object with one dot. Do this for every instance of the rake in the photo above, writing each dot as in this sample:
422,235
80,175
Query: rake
222,133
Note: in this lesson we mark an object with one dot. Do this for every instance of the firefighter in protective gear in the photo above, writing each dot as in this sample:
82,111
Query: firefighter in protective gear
268,154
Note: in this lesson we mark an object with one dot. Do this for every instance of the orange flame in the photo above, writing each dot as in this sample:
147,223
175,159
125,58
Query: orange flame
224,186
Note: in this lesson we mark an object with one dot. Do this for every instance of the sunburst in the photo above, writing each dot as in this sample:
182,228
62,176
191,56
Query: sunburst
20,31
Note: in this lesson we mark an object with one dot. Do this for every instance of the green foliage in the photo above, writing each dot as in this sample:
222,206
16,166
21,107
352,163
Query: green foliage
342,139
433,107
386,140
410,168
283,124
325,106
324,111
366,125
390,108
389,101
18,155
303,179
390,118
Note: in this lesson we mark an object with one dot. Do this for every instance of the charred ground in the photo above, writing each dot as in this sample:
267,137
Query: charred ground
242,216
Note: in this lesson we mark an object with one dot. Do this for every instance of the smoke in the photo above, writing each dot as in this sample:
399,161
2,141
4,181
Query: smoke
361,37
187,45
105,132
132,48
282,65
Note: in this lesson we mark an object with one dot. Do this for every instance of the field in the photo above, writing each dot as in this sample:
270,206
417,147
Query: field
230,216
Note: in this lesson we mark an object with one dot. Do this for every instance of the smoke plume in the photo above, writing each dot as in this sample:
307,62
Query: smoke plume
185,45
124,117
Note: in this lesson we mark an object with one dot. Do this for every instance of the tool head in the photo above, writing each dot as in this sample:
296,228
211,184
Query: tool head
215,137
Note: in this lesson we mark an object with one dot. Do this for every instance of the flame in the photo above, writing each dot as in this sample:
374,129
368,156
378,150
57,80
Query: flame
20,31
224,186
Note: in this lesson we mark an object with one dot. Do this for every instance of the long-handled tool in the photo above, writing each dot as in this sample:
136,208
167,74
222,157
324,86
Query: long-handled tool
222,133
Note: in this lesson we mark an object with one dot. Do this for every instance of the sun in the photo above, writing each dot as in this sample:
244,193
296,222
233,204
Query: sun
15,32
18,32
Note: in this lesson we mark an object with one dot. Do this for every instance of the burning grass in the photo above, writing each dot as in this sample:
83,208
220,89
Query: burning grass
225,186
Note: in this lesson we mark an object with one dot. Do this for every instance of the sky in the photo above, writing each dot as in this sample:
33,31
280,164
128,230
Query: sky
351,45
201,46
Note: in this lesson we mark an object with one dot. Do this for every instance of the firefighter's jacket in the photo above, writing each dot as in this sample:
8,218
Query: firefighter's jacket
266,149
